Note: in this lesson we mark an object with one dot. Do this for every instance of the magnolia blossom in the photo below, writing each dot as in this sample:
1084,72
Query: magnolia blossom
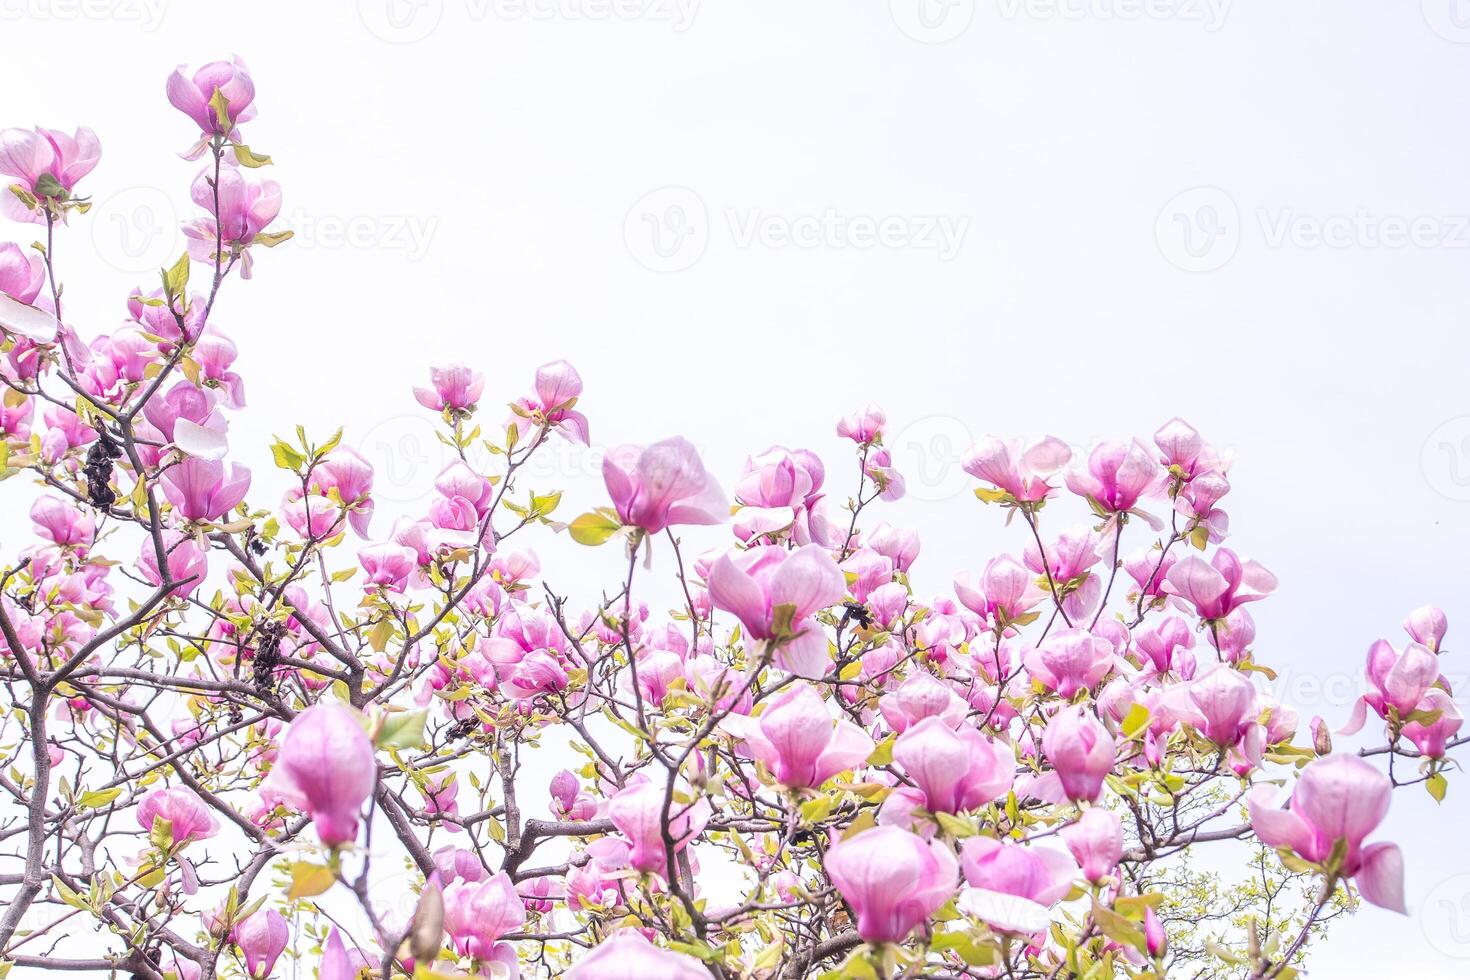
1096,841
1019,470
262,938
639,811
21,273
1080,750
1012,886
1217,587
455,387
225,81
775,593
894,880
477,914
662,485
326,767
955,770
1337,799
47,163
205,489
187,816
798,742
628,955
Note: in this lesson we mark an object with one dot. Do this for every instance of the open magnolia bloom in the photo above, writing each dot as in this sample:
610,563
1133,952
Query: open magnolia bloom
253,709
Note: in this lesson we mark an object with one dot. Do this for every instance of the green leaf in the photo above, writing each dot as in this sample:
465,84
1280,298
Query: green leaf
221,107
309,880
1135,721
97,798
286,457
402,730
955,826
593,528
1437,785
1118,929
249,159
176,279
270,239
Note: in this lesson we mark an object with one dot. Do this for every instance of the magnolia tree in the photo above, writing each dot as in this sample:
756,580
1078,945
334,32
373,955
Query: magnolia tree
225,720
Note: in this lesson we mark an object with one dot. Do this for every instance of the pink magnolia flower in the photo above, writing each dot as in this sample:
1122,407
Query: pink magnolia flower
1221,705
955,769
205,489
1021,471
338,962
558,386
1154,936
351,476
797,741
1116,476
191,95
1182,448
1432,738
1218,587
1070,660
215,353
1006,591
326,768
1081,751
1400,681
1012,886
262,938
188,817
246,208
638,812
921,696
184,560
47,163
662,485
1166,643
21,273
456,387
864,426
1096,841
388,565
189,417
1427,625
774,593
628,955
1337,798
477,914
458,862
899,545
1148,568
894,880
62,523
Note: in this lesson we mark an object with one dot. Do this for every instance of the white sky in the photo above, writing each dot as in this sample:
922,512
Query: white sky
1079,217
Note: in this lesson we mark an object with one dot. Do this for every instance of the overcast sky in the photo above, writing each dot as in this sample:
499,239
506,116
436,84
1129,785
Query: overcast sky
740,220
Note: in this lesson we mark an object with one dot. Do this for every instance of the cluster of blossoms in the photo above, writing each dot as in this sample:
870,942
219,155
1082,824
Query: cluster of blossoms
227,715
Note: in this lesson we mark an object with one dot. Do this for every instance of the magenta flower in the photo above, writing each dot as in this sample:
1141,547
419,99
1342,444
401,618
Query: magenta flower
1096,841
47,163
1070,660
184,560
191,95
1222,705
663,485
1432,738
1337,798
558,386
189,417
477,914
863,426
894,880
637,811
326,768
1006,591
628,955
188,817
797,740
1400,681
1427,625
1217,587
1021,471
920,696
62,523
351,476
388,565
262,938
774,593
1116,476
456,387
1012,886
1081,751
955,769
21,273
338,962
205,489
245,209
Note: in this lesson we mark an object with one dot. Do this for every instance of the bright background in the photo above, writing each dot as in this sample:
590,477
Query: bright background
1097,214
